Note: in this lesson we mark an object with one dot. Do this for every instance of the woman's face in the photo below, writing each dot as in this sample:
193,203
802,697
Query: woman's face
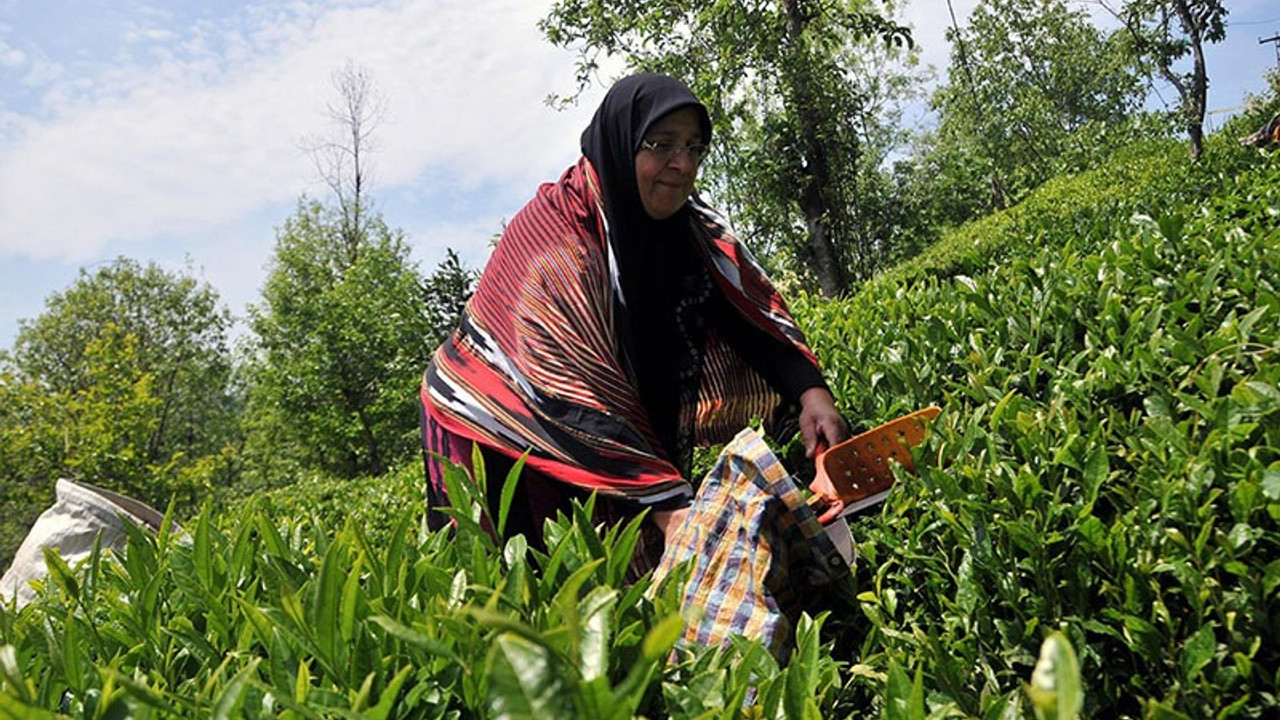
665,185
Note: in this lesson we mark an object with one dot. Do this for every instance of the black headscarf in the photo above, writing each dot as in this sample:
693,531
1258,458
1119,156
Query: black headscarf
613,138
656,259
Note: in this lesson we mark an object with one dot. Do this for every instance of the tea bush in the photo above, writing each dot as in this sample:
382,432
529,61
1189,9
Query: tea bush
1107,462
375,504
256,614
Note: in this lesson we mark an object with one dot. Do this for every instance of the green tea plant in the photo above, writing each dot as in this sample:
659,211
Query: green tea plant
1107,462
374,503
259,615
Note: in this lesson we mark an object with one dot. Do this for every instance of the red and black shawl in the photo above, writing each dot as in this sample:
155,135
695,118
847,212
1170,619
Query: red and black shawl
539,360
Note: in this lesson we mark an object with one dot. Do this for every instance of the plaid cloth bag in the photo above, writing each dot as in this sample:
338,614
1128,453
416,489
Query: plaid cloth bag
758,555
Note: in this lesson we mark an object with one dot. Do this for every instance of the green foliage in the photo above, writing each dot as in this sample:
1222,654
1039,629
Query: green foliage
1055,690
801,121
1034,90
342,338
1090,207
123,382
179,331
375,504
24,463
1092,530
1110,430
254,614
1160,33
444,294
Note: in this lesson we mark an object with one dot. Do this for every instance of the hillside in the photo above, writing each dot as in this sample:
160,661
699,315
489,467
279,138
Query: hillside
1108,459
1107,464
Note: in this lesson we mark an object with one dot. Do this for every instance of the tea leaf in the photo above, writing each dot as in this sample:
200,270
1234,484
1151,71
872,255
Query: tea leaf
415,637
1197,652
525,681
1271,482
1006,707
1096,469
1159,711
903,697
231,699
1055,689
662,637
595,617
14,684
509,485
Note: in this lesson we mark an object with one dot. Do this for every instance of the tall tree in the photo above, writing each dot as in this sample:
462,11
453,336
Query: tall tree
342,158
785,104
124,382
343,338
178,333
1164,32
1033,87
444,294
345,327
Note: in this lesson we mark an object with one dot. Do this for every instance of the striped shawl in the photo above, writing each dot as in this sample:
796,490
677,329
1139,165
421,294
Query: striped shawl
538,361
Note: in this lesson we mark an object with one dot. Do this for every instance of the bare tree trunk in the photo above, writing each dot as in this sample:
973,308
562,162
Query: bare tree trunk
1194,101
819,252
342,162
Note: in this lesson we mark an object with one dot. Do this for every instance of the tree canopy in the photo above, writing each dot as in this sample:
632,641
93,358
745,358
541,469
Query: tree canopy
124,381
1034,89
786,104
342,340
1165,31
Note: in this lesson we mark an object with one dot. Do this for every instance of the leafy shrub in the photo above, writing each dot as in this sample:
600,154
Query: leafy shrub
1108,459
260,615
374,504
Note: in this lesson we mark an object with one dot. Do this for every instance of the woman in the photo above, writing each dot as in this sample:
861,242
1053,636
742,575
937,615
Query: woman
617,325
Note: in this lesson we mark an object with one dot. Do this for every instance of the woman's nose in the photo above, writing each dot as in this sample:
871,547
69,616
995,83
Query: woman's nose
683,162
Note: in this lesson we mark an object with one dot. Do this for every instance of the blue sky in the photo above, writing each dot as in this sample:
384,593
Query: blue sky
170,130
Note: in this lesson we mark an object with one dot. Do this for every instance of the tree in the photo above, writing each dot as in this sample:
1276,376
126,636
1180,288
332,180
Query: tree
1034,88
785,105
346,326
342,159
341,345
1165,31
177,330
122,382
445,293
27,467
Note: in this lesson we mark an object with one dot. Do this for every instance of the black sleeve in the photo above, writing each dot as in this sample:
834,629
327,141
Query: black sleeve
778,361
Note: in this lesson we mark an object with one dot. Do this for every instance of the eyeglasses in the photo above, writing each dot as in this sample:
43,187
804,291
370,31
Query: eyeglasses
667,152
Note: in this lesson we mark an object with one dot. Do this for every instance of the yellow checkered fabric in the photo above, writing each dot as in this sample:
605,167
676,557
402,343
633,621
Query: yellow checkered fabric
758,555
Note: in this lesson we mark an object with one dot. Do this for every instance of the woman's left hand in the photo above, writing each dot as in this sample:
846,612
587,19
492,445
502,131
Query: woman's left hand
820,422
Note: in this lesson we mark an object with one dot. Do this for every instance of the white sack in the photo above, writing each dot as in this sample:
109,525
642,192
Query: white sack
80,514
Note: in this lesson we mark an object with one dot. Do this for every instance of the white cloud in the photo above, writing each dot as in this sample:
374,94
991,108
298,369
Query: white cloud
41,72
150,34
11,57
208,130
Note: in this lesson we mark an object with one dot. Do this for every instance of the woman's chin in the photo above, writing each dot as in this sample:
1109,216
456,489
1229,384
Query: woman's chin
663,208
